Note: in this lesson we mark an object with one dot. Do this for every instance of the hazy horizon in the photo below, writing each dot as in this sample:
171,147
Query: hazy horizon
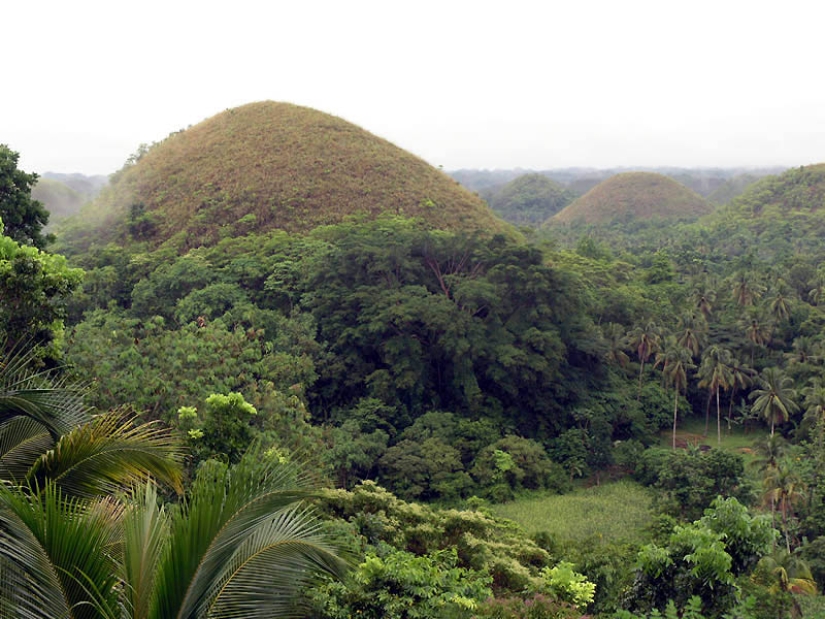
483,85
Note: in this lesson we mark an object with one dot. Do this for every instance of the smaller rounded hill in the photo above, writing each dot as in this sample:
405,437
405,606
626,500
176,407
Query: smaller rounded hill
796,190
530,199
633,195
266,166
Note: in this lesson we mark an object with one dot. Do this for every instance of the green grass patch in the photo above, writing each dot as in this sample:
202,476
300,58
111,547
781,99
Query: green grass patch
613,512
738,439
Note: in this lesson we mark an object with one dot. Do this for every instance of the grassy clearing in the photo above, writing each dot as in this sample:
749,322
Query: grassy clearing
616,511
739,439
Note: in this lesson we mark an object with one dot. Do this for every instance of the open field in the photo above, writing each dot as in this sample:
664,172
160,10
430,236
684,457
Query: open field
617,511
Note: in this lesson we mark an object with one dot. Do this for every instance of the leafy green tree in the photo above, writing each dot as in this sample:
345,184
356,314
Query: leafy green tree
34,288
23,217
400,585
775,399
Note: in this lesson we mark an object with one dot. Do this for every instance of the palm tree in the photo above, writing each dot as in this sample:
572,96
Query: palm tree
784,572
617,341
759,334
242,544
716,374
48,434
646,341
703,301
775,398
75,543
784,487
745,290
805,349
741,377
814,404
691,332
676,361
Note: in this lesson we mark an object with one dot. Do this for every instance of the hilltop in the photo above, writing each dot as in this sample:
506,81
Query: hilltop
265,166
634,195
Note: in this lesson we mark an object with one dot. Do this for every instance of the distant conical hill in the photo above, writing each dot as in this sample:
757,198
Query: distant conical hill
266,166
795,190
529,199
634,195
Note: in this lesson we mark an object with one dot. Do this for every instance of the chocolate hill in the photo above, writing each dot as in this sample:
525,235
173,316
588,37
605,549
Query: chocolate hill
264,166
634,195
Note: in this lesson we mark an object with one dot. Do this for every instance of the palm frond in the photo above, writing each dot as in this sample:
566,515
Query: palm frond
22,441
24,391
108,454
68,547
268,569
227,504
30,587
145,539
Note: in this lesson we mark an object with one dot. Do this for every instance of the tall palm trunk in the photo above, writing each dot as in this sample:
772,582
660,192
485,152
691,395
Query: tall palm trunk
675,415
718,419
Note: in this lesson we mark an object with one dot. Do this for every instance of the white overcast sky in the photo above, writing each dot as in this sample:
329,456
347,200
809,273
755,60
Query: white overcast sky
477,84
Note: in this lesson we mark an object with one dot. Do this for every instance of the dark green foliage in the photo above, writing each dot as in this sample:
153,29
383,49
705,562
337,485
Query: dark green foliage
22,216
425,320
688,480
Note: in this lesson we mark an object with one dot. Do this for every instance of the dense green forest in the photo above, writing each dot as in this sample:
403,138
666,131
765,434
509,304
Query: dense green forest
328,416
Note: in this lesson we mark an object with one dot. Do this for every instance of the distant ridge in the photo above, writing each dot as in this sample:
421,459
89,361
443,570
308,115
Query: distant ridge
266,166
634,195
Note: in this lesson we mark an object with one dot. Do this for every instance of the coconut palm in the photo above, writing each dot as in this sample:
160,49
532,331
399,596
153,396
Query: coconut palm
691,332
745,289
784,572
784,489
774,400
758,333
646,341
616,338
716,374
814,404
741,377
676,362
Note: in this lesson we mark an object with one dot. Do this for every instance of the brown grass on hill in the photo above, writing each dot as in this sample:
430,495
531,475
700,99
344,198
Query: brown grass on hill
275,165
634,195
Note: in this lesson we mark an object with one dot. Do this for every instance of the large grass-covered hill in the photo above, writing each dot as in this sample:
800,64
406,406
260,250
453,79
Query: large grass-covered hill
266,166
634,195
